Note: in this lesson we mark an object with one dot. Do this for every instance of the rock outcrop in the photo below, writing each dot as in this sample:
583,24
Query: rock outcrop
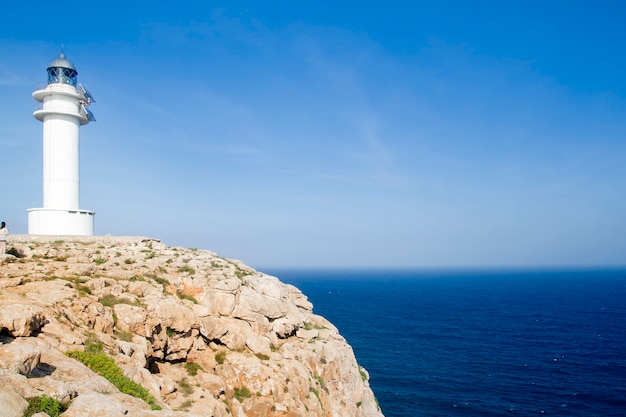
204,335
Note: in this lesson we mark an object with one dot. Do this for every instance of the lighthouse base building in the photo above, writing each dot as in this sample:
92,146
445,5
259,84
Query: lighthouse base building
43,221
62,112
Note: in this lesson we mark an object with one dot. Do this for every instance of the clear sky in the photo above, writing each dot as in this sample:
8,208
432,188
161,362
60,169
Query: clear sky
336,134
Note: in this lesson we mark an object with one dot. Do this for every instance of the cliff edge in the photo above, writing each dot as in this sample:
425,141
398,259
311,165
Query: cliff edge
184,332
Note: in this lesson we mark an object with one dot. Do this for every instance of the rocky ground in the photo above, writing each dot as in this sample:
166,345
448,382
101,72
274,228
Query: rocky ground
204,335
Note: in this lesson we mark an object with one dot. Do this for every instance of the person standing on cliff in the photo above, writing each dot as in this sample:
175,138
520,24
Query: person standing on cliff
4,232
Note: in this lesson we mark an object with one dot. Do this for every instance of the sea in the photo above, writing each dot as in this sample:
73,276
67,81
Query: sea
443,343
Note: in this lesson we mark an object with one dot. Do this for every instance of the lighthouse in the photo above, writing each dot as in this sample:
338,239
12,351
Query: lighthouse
63,111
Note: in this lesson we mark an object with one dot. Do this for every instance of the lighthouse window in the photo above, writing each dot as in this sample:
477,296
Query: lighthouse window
52,75
62,75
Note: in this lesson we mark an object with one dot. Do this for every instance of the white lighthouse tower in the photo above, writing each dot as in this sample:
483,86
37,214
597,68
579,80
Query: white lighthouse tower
63,111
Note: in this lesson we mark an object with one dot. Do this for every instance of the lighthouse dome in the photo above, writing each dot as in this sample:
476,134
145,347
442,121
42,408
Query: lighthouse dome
62,71
61,62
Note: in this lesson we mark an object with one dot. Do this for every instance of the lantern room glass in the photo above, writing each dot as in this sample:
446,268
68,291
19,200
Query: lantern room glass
62,76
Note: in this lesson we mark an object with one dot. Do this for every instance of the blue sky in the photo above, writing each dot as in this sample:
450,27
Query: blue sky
336,134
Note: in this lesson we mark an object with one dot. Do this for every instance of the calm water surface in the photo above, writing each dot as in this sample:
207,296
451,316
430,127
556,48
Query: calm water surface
481,343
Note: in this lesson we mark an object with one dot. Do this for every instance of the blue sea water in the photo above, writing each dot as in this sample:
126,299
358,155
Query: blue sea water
481,343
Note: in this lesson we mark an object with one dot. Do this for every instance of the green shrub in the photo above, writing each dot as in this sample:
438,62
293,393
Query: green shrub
122,335
262,356
320,380
44,404
310,326
182,296
317,394
110,300
129,261
242,393
220,357
185,405
83,289
158,279
92,344
96,360
192,368
240,273
187,269
99,261
74,280
78,283
363,374
185,388
136,278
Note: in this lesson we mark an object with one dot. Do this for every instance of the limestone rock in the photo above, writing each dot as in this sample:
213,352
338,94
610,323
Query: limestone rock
220,303
21,319
46,293
263,305
195,330
259,345
61,334
213,384
264,284
94,404
19,357
12,404
90,313
132,319
286,327
59,390
18,383
174,315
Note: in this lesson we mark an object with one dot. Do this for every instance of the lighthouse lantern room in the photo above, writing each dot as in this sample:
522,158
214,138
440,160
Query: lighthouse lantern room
64,109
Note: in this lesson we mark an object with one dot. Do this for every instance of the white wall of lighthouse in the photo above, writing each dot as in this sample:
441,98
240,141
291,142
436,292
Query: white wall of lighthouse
61,166
62,112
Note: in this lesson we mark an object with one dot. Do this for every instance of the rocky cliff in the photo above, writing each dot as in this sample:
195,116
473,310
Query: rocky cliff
196,334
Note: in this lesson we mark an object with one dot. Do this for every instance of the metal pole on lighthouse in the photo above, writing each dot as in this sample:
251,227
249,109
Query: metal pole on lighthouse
64,109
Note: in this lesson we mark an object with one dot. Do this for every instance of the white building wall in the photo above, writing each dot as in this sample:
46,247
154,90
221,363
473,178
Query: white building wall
43,221
66,99
61,162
